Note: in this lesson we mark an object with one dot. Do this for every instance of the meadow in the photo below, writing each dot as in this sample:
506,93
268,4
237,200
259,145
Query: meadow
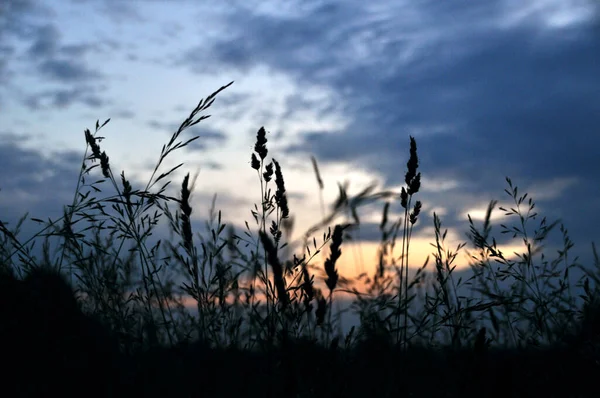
221,313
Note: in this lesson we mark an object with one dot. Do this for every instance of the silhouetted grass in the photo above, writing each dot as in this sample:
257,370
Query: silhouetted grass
262,324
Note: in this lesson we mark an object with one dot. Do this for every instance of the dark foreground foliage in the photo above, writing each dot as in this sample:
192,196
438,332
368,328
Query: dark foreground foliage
50,347
47,343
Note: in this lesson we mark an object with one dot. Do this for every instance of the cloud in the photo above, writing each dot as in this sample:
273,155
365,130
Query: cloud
44,181
65,70
15,24
45,43
63,98
452,83
34,26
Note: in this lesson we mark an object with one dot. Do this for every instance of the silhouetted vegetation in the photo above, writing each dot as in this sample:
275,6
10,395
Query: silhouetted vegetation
108,316
48,344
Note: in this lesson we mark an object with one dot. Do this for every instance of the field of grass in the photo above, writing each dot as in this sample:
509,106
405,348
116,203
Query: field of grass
109,315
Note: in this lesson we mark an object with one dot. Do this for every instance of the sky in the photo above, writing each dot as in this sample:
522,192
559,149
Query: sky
488,89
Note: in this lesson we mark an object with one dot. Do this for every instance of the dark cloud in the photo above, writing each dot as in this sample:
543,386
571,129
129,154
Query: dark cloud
45,42
65,70
503,101
300,43
124,113
79,50
467,89
94,101
33,180
487,90
18,17
6,52
119,12
63,98
155,124
33,25
15,23
212,165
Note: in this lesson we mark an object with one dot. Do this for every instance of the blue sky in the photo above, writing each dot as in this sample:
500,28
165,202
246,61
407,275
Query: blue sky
488,89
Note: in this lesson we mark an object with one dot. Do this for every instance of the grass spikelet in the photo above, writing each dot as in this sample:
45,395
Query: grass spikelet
336,252
280,195
277,268
186,212
260,147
